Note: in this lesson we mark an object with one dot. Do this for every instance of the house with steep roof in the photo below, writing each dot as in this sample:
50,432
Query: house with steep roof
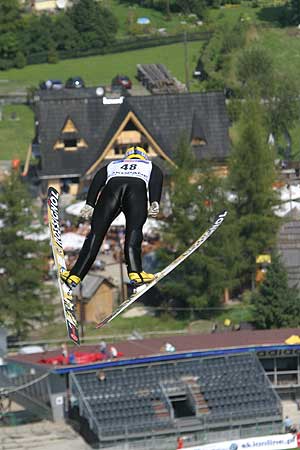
96,297
77,131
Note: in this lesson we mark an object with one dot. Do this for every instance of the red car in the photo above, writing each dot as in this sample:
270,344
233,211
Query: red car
122,80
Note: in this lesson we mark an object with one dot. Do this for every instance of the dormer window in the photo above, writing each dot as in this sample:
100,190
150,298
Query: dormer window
198,141
70,144
69,139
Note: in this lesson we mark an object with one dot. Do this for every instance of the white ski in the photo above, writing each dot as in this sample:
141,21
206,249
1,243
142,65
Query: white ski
160,275
59,259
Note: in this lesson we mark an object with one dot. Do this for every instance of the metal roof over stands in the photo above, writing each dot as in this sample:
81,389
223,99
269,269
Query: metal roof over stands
187,346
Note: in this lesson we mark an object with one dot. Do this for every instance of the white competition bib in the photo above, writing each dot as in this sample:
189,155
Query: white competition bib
130,168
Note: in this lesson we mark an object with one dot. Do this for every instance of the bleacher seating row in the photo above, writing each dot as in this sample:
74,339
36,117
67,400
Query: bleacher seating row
139,399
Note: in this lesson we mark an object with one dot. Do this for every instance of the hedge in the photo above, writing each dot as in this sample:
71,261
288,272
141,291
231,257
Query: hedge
120,46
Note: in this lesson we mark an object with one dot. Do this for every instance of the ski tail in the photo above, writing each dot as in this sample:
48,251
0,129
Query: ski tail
59,259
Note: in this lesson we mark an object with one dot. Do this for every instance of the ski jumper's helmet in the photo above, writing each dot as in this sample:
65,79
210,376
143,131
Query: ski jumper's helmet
136,153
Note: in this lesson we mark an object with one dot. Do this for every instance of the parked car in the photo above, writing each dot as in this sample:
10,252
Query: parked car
117,89
74,83
51,84
122,80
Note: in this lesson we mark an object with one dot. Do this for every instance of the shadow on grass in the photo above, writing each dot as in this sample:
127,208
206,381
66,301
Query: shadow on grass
274,15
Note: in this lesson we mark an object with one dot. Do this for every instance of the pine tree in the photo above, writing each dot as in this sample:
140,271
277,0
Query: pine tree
196,195
24,296
275,304
252,174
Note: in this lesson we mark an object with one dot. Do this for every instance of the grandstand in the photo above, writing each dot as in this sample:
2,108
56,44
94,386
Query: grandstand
207,389
193,396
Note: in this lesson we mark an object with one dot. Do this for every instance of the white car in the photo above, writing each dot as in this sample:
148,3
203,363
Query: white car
29,349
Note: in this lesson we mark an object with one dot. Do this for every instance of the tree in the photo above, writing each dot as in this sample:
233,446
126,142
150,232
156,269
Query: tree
38,35
275,304
10,15
283,106
255,70
193,6
24,295
251,177
66,37
291,13
95,25
216,55
196,195
10,25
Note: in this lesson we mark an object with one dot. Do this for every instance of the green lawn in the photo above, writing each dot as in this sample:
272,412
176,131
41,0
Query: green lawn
284,47
99,70
15,134
129,14
119,326
166,323
96,70
283,44
267,13
230,14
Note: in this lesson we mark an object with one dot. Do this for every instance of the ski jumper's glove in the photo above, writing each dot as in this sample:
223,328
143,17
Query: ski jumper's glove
154,209
87,212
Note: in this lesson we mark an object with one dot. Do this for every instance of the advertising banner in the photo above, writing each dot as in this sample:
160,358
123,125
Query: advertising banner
275,442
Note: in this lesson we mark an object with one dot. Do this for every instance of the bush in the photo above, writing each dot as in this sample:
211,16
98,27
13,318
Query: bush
52,56
6,64
20,60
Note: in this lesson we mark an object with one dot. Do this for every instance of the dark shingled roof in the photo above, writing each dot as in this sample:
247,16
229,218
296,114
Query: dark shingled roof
166,118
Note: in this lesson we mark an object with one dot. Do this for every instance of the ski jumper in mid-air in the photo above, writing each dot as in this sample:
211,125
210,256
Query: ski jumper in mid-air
124,185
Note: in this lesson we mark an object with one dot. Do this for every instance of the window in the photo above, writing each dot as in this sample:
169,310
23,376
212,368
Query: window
70,143
198,141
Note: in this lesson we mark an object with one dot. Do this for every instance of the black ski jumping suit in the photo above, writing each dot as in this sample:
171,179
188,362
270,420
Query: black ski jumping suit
126,185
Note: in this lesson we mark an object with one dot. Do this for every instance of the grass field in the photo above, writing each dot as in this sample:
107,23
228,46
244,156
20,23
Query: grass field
123,326
284,47
125,13
99,70
283,44
119,326
15,134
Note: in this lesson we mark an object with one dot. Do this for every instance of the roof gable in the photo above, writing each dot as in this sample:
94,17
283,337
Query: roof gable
120,124
162,119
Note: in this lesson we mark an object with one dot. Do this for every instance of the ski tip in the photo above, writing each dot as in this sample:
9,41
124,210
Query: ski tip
221,216
104,321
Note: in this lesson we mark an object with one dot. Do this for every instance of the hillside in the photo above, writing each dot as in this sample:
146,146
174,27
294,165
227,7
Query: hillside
282,43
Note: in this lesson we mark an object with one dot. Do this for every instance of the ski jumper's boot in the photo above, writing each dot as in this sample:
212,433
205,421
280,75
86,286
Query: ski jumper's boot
139,278
71,280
